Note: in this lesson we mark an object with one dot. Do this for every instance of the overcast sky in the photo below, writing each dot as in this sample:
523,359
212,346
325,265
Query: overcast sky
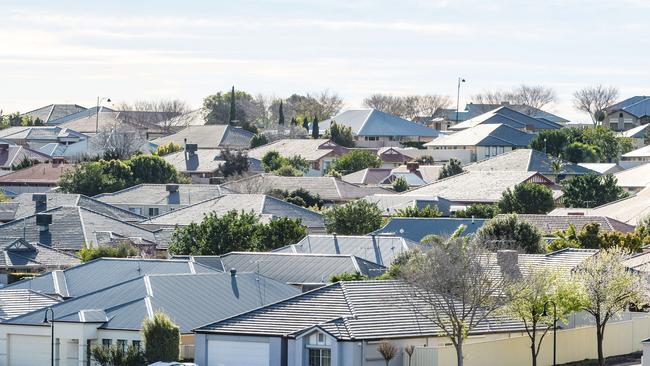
72,51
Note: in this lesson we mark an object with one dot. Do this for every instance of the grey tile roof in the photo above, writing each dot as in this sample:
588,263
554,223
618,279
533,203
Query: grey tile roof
202,161
209,137
507,116
369,310
485,135
293,268
416,228
638,106
53,112
209,297
367,176
551,223
26,206
157,194
377,249
265,206
102,273
328,188
310,149
371,122
526,160
15,154
389,203
18,302
40,133
19,255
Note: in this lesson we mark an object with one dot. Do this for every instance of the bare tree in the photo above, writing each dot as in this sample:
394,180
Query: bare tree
409,106
118,141
457,286
594,100
329,103
385,103
163,113
387,350
531,96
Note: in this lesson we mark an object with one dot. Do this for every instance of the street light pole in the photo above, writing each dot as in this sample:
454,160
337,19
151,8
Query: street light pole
554,328
460,80
99,100
52,328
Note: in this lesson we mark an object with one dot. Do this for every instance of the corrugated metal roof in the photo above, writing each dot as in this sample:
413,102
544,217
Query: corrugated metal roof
371,122
485,135
15,302
416,228
526,160
507,116
638,106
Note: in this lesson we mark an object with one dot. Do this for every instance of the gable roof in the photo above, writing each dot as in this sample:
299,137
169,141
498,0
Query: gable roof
548,224
526,160
637,177
328,188
416,228
630,210
642,152
201,161
507,116
209,137
46,174
638,106
157,194
126,305
389,203
102,273
18,302
19,255
377,249
485,135
602,168
638,132
371,122
309,149
474,109
367,176
51,113
15,154
265,206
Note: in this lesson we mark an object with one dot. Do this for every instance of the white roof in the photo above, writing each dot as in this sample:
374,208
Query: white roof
636,177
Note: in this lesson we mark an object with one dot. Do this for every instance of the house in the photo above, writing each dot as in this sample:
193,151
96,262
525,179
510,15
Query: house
53,112
146,123
602,168
319,153
629,113
639,135
380,249
549,224
35,137
209,137
391,157
37,178
478,143
330,189
416,228
479,186
14,303
450,117
388,204
203,165
303,270
634,179
114,315
509,117
636,157
156,199
372,128
529,160
19,256
383,176
266,207
27,204
12,155
428,173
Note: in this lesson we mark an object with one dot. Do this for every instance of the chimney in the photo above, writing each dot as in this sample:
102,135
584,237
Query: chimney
505,102
4,147
190,149
508,262
171,188
58,160
43,221
233,272
40,202
412,166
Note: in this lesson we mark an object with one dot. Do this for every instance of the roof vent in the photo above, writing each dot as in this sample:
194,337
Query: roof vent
191,148
233,272
39,197
171,188
43,221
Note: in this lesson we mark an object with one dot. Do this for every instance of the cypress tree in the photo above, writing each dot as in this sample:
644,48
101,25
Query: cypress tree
233,110
314,128
281,118
294,121
305,123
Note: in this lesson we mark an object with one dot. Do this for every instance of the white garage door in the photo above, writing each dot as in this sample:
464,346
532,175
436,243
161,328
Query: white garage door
29,350
227,353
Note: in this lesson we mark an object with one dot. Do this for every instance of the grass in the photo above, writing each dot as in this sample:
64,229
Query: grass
629,359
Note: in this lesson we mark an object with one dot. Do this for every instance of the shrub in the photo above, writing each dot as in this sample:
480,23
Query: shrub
161,338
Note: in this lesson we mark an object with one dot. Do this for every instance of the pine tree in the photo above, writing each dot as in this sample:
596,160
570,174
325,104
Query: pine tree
281,113
314,128
233,110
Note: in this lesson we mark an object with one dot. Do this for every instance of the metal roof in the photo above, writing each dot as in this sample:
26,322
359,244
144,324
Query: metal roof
157,194
637,177
638,106
416,228
526,160
507,116
485,135
20,301
371,122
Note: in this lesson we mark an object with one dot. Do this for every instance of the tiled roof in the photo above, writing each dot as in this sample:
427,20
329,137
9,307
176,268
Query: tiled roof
474,109
642,152
638,106
39,174
367,176
371,122
526,160
377,249
328,188
265,206
18,302
157,194
53,112
485,135
637,177
19,255
429,173
389,203
507,116
15,154
201,161
209,137
549,224
416,228
602,168
309,149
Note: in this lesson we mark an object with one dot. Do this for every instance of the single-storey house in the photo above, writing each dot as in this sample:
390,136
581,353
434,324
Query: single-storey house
209,137
638,156
629,113
319,153
416,228
20,256
510,117
634,179
35,179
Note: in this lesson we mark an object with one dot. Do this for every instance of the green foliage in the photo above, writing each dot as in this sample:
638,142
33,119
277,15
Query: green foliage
577,152
414,211
258,140
395,267
340,134
294,166
354,218
227,107
581,145
413,144
552,141
315,132
122,250
591,190
509,232
235,163
232,116
426,160
281,115
116,356
305,123
354,161
450,169
25,163
591,237
92,178
235,231
161,338
168,148
478,210
400,185
347,276
300,197
527,198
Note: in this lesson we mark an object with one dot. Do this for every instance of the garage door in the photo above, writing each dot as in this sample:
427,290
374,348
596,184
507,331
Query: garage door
228,353
29,350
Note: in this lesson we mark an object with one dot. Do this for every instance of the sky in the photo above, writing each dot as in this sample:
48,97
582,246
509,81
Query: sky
74,51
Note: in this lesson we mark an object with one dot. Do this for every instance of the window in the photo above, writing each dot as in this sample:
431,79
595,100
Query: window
137,345
321,338
121,344
320,357
107,342
154,211
136,210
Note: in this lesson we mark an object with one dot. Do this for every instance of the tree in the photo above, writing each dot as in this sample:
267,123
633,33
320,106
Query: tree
450,169
509,232
478,210
230,106
605,141
169,148
119,141
233,108
577,152
305,123
552,142
117,356
425,160
532,96
354,161
281,116
25,163
340,134
453,286
609,288
347,276
299,197
387,350
409,106
527,198
400,185
152,169
234,163
258,140
294,166
354,218
414,211
279,232
591,190
163,113
122,250
315,132
161,338
591,237
595,100
526,300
